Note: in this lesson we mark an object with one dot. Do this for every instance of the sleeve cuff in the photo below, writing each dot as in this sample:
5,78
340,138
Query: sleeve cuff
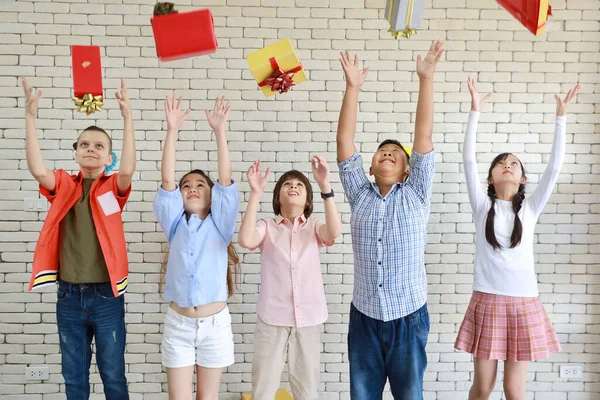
417,159
355,161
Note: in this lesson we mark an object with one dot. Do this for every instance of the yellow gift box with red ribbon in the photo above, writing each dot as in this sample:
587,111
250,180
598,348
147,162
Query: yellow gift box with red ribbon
276,68
404,16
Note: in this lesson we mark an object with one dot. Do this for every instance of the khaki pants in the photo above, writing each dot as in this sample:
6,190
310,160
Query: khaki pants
303,348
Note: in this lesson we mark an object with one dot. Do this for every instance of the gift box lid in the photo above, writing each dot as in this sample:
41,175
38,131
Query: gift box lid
286,58
184,34
87,70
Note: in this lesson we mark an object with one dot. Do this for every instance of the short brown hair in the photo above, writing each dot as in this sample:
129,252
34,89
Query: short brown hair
293,174
96,129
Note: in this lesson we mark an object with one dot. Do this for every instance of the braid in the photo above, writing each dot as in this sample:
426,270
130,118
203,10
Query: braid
517,202
490,235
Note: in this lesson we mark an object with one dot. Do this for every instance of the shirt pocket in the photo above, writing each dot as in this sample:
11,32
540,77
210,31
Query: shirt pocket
109,204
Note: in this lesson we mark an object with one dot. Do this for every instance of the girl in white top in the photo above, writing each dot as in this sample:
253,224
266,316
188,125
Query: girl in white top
505,319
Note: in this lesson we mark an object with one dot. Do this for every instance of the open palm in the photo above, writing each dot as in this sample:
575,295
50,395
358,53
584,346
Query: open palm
476,102
256,179
175,118
31,99
426,66
354,77
217,119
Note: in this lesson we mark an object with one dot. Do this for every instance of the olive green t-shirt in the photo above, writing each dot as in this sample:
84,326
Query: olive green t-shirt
81,259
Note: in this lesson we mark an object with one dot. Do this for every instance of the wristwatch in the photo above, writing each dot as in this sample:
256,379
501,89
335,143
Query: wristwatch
327,195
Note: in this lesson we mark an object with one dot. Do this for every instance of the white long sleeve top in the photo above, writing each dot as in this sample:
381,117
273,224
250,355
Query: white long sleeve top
508,272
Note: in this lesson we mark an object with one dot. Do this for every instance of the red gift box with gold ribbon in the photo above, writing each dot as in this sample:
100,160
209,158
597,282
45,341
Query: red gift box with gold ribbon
180,35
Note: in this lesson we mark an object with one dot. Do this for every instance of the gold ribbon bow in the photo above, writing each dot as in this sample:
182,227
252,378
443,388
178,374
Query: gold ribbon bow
89,103
407,32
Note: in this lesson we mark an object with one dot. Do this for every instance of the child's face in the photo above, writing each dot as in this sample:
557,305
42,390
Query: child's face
196,193
93,151
390,161
507,172
292,193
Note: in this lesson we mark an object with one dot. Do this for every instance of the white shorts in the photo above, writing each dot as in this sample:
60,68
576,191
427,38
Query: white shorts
207,342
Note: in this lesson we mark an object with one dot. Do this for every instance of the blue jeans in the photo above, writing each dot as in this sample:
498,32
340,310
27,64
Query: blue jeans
378,350
85,311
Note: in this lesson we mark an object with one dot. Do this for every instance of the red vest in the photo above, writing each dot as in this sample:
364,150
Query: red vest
106,205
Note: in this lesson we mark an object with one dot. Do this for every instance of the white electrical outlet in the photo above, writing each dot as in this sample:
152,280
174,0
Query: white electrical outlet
38,205
40,373
571,371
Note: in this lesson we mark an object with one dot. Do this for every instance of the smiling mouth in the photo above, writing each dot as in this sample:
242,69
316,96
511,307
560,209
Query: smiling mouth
387,161
192,196
293,193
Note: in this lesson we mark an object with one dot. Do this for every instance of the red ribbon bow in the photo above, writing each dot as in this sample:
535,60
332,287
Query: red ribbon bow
280,81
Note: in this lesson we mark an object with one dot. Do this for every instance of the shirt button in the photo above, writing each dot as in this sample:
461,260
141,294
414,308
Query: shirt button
379,263
379,239
191,253
380,285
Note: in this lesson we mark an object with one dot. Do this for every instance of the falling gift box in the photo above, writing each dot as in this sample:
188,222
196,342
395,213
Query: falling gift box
404,16
87,78
533,14
276,68
180,35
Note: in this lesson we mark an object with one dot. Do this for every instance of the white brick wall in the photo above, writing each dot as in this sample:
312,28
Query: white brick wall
482,40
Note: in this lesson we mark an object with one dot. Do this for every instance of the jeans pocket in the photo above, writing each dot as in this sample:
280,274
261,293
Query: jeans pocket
419,322
62,294
105,292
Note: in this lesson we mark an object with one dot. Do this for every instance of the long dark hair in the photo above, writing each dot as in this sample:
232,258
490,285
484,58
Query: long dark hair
517,201
233,259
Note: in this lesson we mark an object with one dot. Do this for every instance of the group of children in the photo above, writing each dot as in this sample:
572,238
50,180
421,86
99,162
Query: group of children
82,247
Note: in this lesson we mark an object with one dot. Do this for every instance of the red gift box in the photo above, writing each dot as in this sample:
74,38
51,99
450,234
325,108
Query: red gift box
533,14
184,34
87,70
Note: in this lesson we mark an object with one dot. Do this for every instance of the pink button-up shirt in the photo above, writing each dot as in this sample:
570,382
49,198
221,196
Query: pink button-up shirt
291,286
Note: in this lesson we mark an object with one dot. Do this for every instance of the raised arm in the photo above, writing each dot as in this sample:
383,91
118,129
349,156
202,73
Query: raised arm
347,121
423,143
249,237
217,122
35,161
476,195
542,193
127,165
174,122
333,225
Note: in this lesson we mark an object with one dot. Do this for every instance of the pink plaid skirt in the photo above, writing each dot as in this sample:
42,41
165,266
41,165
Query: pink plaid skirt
506,328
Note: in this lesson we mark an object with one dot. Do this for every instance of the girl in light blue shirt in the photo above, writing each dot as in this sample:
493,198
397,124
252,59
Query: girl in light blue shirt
198,217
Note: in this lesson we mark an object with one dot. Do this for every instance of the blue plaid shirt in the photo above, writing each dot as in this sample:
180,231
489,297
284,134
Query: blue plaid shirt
389,235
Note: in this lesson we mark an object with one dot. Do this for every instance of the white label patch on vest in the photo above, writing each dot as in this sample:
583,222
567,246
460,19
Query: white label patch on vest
109,203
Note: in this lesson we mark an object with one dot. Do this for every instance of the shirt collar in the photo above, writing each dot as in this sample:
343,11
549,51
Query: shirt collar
279,219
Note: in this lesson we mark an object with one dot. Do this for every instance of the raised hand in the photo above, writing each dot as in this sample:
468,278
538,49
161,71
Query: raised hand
563,104
256,179
123,99
219,115
476,102
175,118
31,99
354,77
426,67
320,170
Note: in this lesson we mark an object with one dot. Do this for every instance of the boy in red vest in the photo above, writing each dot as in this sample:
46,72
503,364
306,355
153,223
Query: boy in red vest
82,246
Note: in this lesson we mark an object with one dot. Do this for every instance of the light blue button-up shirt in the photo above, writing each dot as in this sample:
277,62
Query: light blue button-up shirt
389,236
197,263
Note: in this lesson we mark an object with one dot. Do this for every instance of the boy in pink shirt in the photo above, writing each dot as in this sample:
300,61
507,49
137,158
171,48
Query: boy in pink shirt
291,304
